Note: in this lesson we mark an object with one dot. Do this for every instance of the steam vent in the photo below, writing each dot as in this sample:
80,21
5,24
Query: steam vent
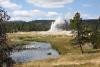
59,25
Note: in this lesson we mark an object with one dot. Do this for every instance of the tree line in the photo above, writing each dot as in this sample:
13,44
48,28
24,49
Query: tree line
40,25
37,25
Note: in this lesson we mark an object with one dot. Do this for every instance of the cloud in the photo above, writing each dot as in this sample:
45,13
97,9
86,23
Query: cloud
9,4
86,5
21,18
25,14
88,16
28,15
52,14
83,15
91,5
22,13
50,3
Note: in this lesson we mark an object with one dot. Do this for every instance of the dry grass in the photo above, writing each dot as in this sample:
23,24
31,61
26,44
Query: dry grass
70,55
58,42
86,60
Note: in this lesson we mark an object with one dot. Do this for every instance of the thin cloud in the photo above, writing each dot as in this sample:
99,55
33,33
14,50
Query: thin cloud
19,14
70,15
8,4
50,3
86,5
91,5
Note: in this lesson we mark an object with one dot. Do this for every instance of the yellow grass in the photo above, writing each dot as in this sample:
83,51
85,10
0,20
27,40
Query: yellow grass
70,55
86,60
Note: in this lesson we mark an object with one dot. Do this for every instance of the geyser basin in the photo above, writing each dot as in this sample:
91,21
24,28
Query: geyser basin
37,51
57,28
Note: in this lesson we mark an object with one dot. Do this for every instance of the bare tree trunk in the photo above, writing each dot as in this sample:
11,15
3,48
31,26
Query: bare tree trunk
79,35
81,49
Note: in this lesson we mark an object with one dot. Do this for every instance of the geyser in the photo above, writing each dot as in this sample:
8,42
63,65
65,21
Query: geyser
57,28
59,25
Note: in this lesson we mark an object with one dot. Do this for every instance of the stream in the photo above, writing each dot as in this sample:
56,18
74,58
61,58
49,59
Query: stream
34,51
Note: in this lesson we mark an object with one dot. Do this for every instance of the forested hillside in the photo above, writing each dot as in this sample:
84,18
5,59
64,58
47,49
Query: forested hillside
39,25
91,24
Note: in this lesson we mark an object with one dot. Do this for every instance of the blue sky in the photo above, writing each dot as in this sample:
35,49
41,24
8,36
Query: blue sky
50,9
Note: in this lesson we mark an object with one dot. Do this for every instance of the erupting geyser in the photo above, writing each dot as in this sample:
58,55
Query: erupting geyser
57,28
59,25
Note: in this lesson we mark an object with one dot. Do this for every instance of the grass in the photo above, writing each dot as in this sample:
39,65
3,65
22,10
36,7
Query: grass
58,42
86,60
70,55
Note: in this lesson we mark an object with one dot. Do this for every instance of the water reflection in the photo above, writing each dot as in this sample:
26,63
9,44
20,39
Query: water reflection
34,51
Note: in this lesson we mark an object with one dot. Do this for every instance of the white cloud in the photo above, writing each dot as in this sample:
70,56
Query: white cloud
25,14
22,13
91,5
50,3
70,15
9,4
53,14
38,14
21,18
86,5
88,16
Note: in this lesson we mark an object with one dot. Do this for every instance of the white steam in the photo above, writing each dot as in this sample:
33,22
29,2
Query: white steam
58,25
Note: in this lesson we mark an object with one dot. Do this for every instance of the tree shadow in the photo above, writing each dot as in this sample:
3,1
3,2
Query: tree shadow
8,62
93,51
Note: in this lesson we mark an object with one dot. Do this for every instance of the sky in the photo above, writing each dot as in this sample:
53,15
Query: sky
28,10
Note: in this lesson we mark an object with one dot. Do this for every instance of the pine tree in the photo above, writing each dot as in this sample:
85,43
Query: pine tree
76,24
4,48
